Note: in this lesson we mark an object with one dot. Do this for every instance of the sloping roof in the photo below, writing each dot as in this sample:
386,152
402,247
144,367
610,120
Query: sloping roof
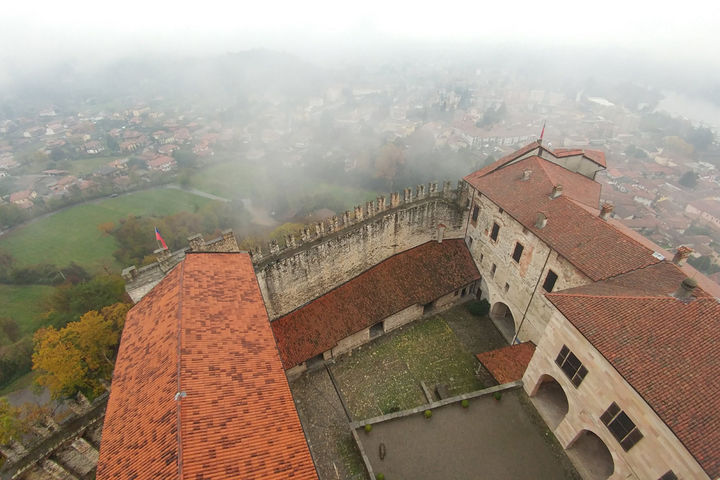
665,348
596,247
203,331
508,364
416,276
507,159
596,156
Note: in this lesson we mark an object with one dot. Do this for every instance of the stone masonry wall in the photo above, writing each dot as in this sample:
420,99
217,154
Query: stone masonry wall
337,250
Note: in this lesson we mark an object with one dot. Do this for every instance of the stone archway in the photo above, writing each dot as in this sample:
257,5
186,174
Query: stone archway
592,458
502,317
550,401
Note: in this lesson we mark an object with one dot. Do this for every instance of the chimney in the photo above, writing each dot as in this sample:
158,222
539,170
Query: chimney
440,232
526,174
606,210
684,292
540,220
557,191
681,255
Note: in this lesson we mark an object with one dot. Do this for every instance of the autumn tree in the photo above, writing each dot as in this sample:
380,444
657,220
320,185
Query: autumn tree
10,423
80,355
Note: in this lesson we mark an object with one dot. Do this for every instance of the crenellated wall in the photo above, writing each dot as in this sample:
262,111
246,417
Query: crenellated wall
332,252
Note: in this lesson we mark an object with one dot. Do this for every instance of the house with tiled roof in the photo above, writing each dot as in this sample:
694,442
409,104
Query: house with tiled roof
199,390
616,371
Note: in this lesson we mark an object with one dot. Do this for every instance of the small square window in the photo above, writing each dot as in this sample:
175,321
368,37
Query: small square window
495,231
550,280
507,287
500,210
517,253
620,425
492,270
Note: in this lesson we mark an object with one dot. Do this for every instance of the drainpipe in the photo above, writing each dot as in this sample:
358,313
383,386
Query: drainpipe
531,297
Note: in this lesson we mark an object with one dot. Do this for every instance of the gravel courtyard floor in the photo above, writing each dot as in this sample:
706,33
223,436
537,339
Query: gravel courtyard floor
490,439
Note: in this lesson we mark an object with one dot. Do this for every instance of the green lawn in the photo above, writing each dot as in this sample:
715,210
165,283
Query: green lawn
86,165
385,375
229,180
24,304
72,234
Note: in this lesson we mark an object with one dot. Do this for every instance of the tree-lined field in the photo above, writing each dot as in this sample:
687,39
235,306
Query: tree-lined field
72,235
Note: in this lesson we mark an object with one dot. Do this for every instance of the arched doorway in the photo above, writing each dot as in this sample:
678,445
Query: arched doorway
503,319
591,456
550,401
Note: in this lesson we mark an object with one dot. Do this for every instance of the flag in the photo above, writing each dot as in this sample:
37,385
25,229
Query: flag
542,132
160,239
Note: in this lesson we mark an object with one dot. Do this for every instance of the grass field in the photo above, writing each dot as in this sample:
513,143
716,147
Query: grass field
229,180
385,375
83,166
72,235
24,304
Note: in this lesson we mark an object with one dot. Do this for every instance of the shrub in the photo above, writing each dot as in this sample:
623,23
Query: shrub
479,308
380,476
368,428
497,395
465,403
428,413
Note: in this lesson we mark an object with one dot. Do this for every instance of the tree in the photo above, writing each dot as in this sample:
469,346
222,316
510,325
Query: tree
700,138
10,424
80,355
705,264
388,163
688,179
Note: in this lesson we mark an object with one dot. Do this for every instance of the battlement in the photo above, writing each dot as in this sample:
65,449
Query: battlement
370,211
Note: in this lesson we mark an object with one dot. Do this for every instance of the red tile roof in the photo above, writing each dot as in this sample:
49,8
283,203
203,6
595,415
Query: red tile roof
596,156
508,364
596,247
665,348
203,331
416,276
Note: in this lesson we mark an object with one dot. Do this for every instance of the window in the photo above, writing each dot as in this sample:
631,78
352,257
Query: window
476,211
669,475
620,425
500,210
457,292
492,270
573,368
507,287
495,231
469,241
517,253
481,257
550,280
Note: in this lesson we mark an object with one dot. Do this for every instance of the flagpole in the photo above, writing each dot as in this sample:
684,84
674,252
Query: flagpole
156,239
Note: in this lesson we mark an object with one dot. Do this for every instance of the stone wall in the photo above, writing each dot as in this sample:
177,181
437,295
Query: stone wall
334,251
657,452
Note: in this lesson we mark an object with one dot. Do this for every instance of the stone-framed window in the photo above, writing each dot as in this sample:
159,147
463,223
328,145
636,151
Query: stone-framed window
571,366
494,232
669,475
475,213
623,429
517,253
550,280
507,287
493,269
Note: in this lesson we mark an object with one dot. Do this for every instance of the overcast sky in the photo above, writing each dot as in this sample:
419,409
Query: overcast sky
33,31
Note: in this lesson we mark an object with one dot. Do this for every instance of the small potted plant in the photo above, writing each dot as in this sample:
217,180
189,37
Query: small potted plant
380,476
368,428
428,413
465,403
497,396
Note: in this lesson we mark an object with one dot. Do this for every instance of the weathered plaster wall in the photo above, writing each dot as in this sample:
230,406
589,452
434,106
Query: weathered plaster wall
516,283
657,452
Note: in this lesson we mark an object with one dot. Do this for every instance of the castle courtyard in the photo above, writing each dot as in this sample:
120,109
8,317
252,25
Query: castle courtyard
385,376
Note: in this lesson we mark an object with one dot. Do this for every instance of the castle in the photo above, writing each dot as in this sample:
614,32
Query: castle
625,332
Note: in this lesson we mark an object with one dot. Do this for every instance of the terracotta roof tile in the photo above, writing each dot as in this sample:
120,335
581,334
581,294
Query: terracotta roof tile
203,331
508,364
416,276
593,245
665,348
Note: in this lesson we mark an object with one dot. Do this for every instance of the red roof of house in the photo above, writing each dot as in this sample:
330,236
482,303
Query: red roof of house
203,331
596,156
416,276
596,247
508,364
665,348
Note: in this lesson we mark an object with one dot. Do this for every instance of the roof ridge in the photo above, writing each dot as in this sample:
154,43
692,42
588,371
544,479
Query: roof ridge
178,396
624,297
